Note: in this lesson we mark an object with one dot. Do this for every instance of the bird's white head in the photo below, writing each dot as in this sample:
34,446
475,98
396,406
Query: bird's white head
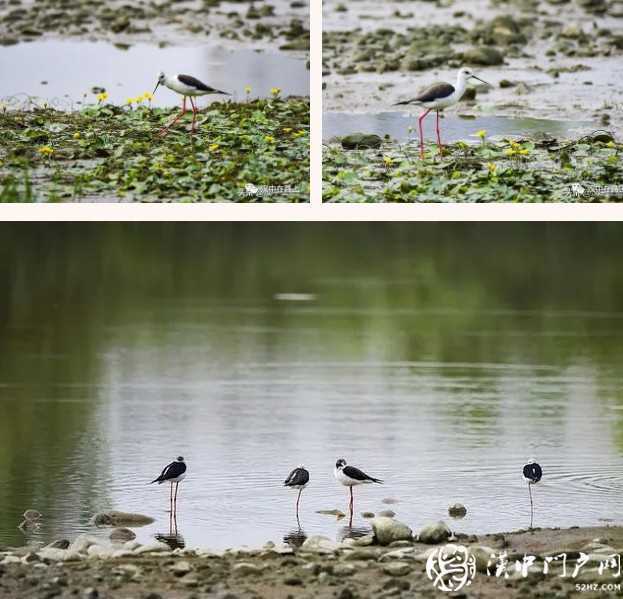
340,463
161,80
465,74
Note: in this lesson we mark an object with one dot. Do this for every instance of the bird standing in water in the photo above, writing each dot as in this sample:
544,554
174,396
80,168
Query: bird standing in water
439,96
188,87
532,473
297,479
350,476
174,472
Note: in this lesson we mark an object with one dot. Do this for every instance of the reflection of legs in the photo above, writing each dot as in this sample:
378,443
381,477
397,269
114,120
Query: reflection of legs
166,128
531,504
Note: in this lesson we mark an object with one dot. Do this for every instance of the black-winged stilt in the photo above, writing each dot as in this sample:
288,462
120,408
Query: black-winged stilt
188,87
174,472
439,96
532,473
350,476
297,479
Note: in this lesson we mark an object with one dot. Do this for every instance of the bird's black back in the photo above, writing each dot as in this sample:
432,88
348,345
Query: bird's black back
357,474
533,472
298,476
194,82
173,470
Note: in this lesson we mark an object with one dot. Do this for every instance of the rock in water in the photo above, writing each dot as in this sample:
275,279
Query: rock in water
114,518
387,530
122,535
458,510
361,141
434,534
319,544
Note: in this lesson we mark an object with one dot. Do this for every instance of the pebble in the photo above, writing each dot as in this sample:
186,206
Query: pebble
397,569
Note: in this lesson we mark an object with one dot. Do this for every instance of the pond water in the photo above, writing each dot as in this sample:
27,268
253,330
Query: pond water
71,69
252,348
453,128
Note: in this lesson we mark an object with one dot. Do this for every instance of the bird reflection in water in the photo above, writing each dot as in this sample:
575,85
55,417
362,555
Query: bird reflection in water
295,538
352,532
173,539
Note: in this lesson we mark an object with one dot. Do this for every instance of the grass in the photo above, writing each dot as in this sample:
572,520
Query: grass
509,170
107,152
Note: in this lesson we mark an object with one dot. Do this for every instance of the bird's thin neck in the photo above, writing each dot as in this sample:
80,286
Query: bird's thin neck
461,82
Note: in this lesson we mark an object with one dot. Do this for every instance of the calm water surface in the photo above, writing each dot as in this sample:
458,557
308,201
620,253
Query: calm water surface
437,357
63,73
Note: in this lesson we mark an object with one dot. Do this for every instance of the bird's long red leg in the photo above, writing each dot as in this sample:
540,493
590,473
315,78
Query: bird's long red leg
166,128
422,116
171,499
194,114
175,499
439,136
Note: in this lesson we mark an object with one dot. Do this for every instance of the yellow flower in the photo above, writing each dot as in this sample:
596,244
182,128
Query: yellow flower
45,150
388,160
269,139
492,167
77,135
482,134
214,147
148,96
247,89
275,91
130,101
102,97
509,152
287,130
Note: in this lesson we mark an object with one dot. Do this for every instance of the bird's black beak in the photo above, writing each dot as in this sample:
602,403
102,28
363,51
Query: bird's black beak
481,80
155,88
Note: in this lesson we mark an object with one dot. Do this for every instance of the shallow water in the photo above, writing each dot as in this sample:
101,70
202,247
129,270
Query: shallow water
453,128
72,68
252,348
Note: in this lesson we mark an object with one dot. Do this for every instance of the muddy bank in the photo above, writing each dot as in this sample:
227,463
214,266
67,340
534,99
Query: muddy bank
315,567
540,168
242,152
280,24
558,59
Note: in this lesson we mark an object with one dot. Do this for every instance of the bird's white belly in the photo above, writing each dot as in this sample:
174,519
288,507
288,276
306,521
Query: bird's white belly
178,479
345,480
185,90
297,486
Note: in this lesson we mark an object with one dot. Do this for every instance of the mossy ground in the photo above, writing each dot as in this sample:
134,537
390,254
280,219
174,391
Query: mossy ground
111,153
524,170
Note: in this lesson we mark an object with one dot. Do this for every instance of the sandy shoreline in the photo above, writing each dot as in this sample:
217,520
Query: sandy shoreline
355,568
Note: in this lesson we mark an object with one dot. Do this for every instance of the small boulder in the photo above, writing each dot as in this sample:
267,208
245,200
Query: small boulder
388,530
457,510
246,569
397,569
114,518
122,535
181,568
361,141
434,534
319,544
483,55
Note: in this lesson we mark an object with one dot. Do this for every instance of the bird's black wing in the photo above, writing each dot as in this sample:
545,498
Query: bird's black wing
533,471
172,470
162,477
194,82
357,474
298,476
434,92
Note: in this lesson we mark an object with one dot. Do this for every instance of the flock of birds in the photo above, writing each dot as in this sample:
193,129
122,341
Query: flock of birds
437,97
349,476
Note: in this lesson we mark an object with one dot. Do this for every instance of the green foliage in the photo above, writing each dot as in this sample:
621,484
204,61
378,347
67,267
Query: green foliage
112,153
504,171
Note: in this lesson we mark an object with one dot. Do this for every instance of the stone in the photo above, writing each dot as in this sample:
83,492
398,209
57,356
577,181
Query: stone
361,141
319,544
397,569
434,534
387,513
153,547
115,518
388,530
181,568
483,554
361,555
344,570
122,535
60,544
246,569
483,55
457,510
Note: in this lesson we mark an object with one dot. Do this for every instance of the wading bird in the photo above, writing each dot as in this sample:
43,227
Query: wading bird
297,479
188,87
532,473
175,472
350,476
439,96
